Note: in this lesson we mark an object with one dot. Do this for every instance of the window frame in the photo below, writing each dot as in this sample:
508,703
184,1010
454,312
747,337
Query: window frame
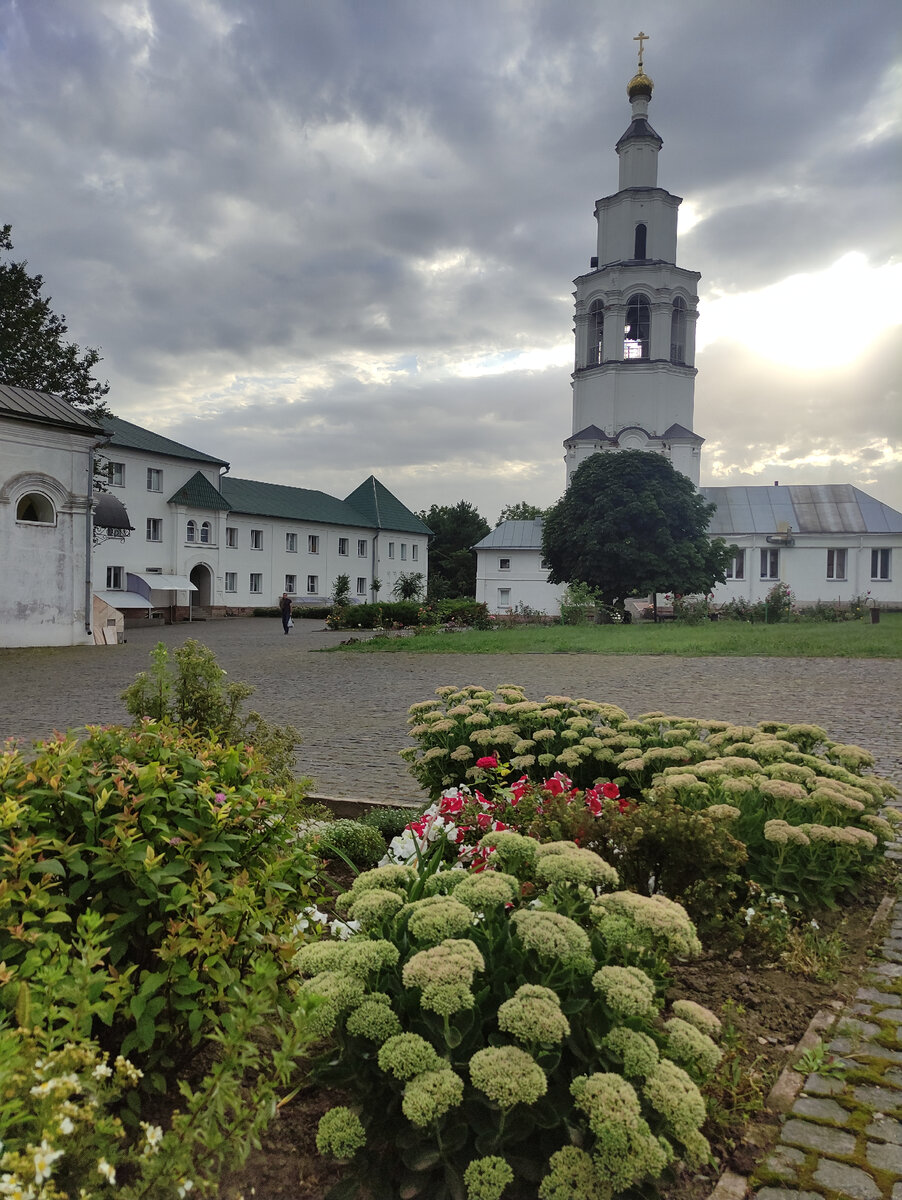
772,573
153,525
838,564
362,548
504,564
230,577
736,567
346,543
114,468
40,500
112,575
191,531
258,576
154,476
256,539
206,533
881,564
312,585
291,585
502,592
391,549
313,543
291,543
361,585
231,537
414,552
639,325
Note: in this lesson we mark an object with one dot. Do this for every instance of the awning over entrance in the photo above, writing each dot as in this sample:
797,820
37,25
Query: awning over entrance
163,583
124,599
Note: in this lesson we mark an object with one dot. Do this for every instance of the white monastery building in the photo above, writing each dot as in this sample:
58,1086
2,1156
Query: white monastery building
634,389
174,536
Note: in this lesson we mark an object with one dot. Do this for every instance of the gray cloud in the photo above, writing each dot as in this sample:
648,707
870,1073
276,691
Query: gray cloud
262,212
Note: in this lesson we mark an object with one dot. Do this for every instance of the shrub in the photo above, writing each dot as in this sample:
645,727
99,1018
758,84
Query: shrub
193,693
748,776
184,850
465,1075
411,614
389,821
362,845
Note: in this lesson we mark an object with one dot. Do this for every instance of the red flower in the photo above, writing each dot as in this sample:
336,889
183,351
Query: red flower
451,805
519,789
623,804
610,791
594,802
417,827
483,820
488,763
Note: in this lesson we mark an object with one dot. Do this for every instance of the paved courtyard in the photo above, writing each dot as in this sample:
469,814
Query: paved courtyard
351,709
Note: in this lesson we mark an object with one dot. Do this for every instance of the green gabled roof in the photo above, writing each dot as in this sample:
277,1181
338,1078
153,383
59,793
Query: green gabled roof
380,508
134,437
293,503
199,492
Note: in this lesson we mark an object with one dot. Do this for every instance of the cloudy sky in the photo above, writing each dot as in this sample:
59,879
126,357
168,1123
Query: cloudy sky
324,238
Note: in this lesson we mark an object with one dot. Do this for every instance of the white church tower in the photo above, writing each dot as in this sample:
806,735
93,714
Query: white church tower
634,379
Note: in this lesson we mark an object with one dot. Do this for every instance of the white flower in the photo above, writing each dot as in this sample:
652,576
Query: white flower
153,1135
44,1158
108,1172
66,1125
749,913
813,924
343,929
102,1071
184,1187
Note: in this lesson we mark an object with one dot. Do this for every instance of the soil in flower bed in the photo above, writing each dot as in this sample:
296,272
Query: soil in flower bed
765,1010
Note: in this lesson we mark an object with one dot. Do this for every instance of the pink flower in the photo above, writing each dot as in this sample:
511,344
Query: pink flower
488,763
219,798
175,841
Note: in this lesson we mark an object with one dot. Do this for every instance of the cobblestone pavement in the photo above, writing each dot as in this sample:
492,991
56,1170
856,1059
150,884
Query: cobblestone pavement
842,1139
351,708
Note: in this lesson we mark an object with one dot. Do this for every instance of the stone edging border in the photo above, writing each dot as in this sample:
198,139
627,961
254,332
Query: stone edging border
782,1096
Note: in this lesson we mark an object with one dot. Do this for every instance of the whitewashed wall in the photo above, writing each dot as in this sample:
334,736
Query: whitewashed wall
525,579
42,598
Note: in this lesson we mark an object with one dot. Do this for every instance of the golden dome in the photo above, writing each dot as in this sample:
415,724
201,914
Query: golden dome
639,85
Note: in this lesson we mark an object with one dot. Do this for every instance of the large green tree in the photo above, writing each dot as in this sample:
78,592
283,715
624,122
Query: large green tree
521,511
630,525
452,564
34,352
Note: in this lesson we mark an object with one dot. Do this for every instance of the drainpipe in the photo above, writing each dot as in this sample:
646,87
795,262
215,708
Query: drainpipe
89,548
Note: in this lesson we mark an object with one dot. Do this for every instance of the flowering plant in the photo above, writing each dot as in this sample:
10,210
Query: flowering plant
480,1030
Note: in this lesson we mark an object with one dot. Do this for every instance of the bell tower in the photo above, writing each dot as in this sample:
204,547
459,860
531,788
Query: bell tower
634,377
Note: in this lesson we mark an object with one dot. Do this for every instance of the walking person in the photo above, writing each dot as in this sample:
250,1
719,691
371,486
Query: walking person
285,610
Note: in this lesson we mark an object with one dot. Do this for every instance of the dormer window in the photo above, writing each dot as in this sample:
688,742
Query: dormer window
637,329
641,238
678,331
596,334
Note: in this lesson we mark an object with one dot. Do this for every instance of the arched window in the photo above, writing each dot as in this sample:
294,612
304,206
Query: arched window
205,531
37,509
641,236
637,328
678,331
191,532
596,334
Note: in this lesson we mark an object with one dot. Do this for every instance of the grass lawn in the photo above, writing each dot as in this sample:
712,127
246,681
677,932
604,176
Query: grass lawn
847,639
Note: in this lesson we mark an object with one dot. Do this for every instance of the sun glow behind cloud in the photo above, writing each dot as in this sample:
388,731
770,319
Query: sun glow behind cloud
814,320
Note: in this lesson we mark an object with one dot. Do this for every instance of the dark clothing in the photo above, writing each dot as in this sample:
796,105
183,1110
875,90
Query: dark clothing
285,609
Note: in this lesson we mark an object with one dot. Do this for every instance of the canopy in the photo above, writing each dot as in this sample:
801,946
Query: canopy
124,599
164,583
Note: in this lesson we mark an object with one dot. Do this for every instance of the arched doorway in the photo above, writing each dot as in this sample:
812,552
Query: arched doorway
202,578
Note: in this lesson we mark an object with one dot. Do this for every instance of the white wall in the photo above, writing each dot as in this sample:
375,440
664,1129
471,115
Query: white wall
42,597
525,578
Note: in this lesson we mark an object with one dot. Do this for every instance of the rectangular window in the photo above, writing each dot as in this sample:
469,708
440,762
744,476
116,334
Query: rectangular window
312,585
154,479
391,549
232,537
770,564
836,564
313,543
403,552
291,543
116,474
343,545
736,568
504,564
154,529
415,552
361,585
361,548
256,582
231,581
881,564
504,597
114,576
291,584
256,539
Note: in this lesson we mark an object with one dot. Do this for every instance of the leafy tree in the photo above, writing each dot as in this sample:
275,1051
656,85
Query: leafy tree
408,586
521,511
630,525
33,350
452,564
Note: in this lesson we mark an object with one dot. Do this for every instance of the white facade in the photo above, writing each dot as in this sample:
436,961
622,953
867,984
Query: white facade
242,543
46,470
510,571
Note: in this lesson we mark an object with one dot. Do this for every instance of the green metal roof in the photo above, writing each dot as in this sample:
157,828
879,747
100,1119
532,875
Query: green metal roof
133,437
199,492
384,510
295,504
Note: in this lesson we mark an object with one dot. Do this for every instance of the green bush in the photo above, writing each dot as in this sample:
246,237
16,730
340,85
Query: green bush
193,693
389,821
483,1038
361,844
411,614
182,847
